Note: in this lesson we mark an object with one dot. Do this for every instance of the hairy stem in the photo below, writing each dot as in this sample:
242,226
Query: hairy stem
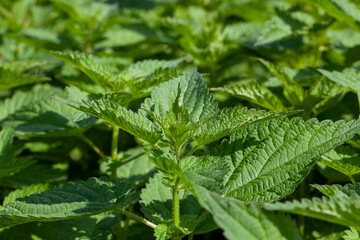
176,209
137,218
92,145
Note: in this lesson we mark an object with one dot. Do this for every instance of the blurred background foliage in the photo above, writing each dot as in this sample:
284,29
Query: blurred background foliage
255,53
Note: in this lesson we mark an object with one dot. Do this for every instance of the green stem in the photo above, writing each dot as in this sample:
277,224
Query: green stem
114,143
353,144
137,218
130,159
191,236
201,218
301,218
5,12
358,95
127,222
92,145
114,148
352,179
176,209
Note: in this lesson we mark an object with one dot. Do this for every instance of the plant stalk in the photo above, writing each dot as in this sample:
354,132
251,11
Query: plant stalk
176,209
114,148
137,218
352,179
92,145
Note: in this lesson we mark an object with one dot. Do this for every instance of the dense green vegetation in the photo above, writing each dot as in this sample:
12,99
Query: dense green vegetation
159,119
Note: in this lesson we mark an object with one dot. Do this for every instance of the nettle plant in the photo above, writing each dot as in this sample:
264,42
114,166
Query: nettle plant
255,158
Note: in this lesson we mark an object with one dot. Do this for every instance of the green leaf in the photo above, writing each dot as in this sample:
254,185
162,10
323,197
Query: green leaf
86,228
240,221
11,79
343,159
206,171
21,99
8,163
190,91
98,226
343,10
351,234
35,174
44,115
230,120
117,115
269,159
25,191
292,91
144,86
349,190
72,200
340,210
350,80
93,67
254,93
150,66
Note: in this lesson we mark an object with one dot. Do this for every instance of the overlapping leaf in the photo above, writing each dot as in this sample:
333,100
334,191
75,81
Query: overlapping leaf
44,115
269,159
72,200
343,159
340,210
342,10
190,91
230,120
119,116
11,79
254,93
349,190
241,221
8,163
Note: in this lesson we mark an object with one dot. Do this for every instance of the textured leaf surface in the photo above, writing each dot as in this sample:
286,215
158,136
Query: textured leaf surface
349,190
269,159
8,163
230,120
25,191
72,200
35,174
86,228
343,159
93,67
350,80
11,79
341,210
292,91
254,93
119,116
340,11
191,92
44,115
240,221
